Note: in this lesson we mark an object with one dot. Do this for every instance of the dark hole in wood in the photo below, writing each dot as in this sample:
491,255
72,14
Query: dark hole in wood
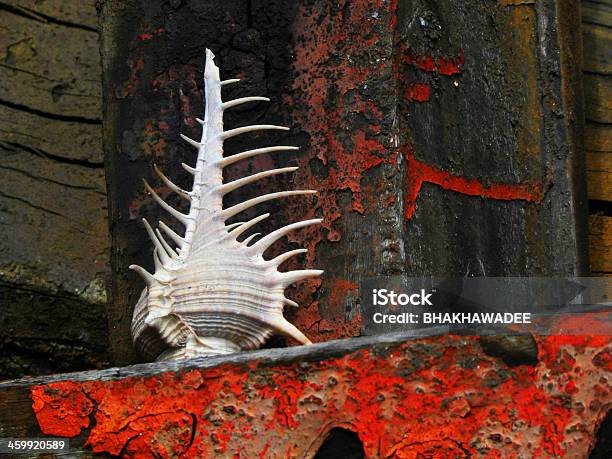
603,208
341,443
603,440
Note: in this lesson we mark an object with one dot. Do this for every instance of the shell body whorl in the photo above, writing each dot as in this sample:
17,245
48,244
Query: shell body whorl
213,294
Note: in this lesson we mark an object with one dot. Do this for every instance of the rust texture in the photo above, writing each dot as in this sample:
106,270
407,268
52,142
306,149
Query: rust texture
437,397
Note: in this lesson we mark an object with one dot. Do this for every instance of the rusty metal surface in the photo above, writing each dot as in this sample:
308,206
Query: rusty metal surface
437,133
438,397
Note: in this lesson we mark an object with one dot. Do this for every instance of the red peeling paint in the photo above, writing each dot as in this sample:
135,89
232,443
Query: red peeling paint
164,435
418,92
61,410
450,66
353,154
593,323
136,63
148,35
442,65
154,141
145,199
439,396
336,59
341,291
604,360
135,68
418,173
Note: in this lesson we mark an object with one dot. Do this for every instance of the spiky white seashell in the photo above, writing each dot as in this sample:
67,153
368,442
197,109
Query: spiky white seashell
212,294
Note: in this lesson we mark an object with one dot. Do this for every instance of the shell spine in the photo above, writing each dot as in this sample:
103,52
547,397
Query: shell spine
212,294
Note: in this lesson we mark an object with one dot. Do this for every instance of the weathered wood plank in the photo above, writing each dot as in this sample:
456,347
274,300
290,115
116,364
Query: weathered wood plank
598,98
599,176
597,29
53,209
600,241
401,394
271,357
597,45
81,14
46,333
598,138
598,12
598,133
62,81
54,213
53,256
71,141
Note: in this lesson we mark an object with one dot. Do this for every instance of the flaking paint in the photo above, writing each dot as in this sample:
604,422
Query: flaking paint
424,397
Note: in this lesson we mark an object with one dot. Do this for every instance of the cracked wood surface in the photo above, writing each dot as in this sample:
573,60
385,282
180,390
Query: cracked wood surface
53,209
597,32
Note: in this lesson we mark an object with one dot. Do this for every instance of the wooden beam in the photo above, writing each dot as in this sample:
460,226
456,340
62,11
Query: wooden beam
599,175
413,178
53,209
600,241
597,26
401,395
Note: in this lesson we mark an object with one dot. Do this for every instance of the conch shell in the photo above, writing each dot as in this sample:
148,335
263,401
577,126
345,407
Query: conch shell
211,294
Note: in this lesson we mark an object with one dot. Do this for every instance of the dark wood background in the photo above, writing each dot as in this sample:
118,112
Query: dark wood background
54,247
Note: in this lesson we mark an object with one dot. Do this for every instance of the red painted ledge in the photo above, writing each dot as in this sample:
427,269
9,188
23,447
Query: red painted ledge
406,398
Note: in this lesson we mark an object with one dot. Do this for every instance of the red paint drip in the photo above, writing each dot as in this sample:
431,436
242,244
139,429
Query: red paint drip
419,172
393,18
